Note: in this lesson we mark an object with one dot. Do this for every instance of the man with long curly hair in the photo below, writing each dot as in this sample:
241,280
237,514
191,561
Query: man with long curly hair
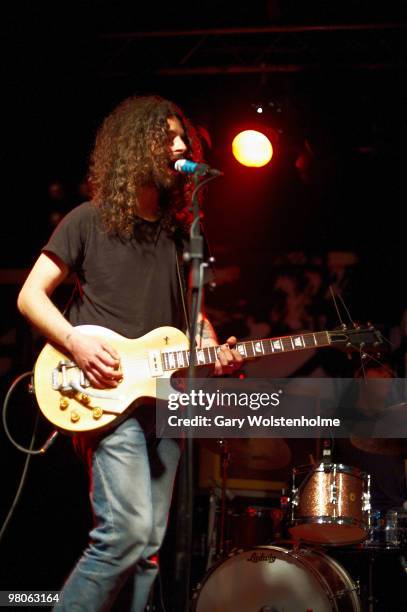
123,246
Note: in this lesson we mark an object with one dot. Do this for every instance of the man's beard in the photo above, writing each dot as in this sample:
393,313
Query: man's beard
165,177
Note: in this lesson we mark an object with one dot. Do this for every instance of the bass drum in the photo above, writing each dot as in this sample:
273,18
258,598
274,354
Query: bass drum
271,578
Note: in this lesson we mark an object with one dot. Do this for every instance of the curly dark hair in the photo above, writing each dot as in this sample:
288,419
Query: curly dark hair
131,150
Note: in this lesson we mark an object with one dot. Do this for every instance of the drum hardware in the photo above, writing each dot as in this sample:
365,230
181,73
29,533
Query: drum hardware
366,507
212,590
371,599
216,536
334,490
377,557
225,459
256,454
295,499
388,530
211,533
391,529
343,493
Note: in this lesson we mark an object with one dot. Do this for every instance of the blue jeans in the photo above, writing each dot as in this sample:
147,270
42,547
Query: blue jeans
131,489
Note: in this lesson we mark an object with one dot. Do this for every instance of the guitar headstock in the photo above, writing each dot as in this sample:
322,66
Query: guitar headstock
357,338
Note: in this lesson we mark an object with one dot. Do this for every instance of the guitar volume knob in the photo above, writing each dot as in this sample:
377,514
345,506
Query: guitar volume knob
97,413
63,403
75,416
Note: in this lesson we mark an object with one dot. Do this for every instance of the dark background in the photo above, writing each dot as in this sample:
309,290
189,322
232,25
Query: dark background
340,90
339,87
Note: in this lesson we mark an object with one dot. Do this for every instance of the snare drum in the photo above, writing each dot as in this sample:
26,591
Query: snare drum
330,504
273,578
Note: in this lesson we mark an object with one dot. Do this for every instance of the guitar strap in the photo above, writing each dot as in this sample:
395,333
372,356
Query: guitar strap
76,291
181,276
181,282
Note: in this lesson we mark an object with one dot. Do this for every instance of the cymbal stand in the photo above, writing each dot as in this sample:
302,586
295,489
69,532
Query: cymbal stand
225,460
371,599
212,534
217,518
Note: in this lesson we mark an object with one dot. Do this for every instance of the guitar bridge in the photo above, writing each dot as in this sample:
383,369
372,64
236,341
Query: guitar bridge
60,377
61,383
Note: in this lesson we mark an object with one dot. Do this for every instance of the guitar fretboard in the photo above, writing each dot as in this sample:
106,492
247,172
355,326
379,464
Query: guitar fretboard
172,360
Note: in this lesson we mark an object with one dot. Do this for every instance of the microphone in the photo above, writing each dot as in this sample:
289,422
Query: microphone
189,167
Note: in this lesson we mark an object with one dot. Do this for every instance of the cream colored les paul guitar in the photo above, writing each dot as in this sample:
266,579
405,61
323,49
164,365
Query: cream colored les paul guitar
68,401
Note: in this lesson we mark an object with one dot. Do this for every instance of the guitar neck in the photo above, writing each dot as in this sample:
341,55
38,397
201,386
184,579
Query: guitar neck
249,350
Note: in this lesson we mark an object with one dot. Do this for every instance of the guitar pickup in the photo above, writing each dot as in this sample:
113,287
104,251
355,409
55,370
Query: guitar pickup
154,361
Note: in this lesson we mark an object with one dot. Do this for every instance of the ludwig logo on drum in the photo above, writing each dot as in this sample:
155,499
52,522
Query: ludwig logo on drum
255,557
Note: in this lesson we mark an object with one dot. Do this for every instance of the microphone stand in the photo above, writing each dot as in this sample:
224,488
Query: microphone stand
195,257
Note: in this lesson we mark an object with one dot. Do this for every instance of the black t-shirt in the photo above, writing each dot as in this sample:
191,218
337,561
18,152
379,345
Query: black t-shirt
129,286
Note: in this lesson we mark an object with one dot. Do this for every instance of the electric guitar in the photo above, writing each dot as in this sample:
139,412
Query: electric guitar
67,399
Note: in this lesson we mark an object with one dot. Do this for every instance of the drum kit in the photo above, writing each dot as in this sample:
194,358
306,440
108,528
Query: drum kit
282,558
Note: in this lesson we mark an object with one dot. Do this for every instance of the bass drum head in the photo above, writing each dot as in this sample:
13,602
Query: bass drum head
271,578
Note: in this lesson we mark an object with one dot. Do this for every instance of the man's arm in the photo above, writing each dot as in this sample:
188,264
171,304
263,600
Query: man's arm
206,335
228,357
98,359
